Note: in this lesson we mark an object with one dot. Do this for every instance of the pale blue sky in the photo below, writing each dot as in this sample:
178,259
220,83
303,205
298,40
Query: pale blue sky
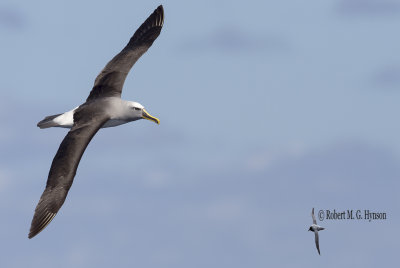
267,109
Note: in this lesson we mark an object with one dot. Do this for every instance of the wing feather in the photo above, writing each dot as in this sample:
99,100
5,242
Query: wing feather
317,241
63,169
313,217
111,79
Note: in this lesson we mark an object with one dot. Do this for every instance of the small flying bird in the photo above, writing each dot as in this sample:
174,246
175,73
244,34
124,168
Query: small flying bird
103,108
315,228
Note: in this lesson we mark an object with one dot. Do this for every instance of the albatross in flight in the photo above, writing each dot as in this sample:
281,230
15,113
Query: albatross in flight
103,108
315,228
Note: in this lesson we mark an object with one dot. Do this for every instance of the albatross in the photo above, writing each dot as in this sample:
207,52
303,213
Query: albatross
315,228
103,108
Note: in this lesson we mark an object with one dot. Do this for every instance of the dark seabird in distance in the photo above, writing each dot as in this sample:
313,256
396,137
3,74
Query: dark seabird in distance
315,228
103,108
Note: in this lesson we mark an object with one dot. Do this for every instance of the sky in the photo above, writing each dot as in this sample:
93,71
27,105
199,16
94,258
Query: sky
267,109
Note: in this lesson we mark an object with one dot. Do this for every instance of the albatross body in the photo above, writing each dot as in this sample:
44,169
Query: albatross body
315,228
120,111
103,108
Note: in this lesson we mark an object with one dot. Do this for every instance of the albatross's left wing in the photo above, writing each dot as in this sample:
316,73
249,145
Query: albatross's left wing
111,79
317,241
64,166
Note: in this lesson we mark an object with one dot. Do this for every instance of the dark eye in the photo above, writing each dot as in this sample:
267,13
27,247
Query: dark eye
137,109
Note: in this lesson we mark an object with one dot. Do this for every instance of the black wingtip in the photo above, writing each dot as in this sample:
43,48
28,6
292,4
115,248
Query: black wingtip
150,29
159,14
39,222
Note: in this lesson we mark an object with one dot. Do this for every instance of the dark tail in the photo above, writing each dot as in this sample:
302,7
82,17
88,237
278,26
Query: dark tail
48,121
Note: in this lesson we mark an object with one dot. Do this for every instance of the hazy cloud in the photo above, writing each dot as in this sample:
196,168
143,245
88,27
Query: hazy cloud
265,159
229,39
4,180
387,77
368,7
336,172
12,18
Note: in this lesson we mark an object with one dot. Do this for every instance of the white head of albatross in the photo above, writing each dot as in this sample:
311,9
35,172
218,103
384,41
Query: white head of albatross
122,112
137,111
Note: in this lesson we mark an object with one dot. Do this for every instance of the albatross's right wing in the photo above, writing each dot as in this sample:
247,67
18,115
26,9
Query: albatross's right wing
63,168
314,221
111,79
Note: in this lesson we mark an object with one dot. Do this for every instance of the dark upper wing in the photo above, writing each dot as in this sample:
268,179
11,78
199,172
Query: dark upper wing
63,168
317,241
313,217
111,79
